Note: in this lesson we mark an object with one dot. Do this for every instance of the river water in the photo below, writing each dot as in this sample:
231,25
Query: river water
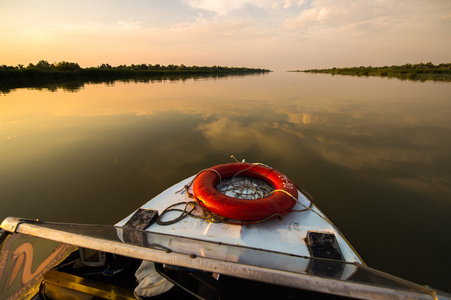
373,152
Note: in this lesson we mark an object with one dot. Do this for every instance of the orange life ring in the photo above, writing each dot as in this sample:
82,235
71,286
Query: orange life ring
206,194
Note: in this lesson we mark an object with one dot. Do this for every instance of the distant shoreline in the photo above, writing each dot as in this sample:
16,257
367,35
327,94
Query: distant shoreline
44,73
421,71
33,75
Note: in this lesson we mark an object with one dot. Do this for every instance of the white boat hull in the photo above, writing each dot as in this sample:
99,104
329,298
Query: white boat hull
286,236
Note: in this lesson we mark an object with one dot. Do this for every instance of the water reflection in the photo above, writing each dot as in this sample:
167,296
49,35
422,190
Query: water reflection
73,86
402,155
370,127
402,76
377,132
373,152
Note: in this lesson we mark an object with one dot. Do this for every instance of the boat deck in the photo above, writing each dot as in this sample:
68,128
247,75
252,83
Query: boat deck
283,236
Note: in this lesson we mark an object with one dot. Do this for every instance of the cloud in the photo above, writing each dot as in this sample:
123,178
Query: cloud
335,15
289,3
367,16
209,30
129,25
223,7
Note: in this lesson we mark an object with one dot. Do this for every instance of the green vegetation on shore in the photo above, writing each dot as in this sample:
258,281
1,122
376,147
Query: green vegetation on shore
421,71
63,66
46,73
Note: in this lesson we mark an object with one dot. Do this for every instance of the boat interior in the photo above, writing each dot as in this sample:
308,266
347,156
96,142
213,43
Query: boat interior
91,274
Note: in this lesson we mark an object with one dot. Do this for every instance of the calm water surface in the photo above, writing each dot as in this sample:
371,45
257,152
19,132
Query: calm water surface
373,152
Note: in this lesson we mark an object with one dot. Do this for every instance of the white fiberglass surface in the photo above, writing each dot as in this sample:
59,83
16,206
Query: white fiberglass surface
285,236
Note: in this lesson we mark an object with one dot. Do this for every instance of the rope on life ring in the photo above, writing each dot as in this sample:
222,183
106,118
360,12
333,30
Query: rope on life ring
277,203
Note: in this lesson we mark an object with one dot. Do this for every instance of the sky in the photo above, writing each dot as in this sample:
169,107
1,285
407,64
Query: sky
271,34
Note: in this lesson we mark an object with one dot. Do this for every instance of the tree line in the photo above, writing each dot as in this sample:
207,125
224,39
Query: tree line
44,65
420,68
416,72
71,74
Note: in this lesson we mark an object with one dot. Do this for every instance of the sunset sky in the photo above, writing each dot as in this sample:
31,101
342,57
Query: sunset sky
273,34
